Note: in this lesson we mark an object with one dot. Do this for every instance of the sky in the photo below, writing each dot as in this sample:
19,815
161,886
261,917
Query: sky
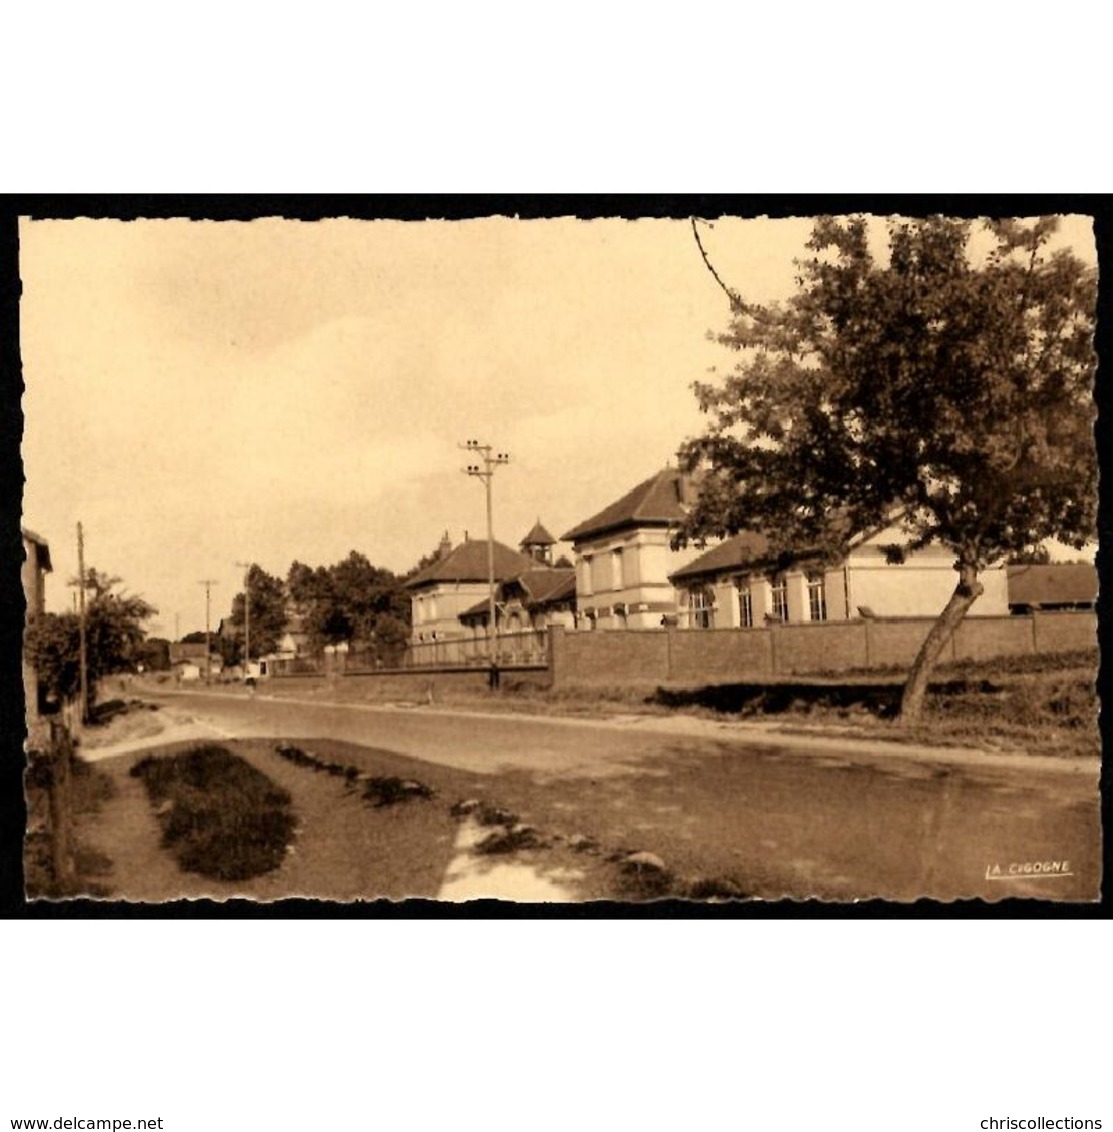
201,394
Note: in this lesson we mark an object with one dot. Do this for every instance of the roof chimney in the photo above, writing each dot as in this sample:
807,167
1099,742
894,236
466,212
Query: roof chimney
445,547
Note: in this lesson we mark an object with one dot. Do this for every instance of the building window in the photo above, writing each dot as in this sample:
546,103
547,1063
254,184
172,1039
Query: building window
701,607
817,595
617,580
745,604
778,588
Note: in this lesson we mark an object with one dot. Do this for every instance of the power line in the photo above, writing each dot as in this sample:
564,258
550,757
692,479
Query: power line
486,472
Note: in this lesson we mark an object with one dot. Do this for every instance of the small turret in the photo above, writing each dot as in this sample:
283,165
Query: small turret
538,544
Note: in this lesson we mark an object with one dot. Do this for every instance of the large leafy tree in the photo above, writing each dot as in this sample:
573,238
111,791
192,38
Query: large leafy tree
352,600
315,602
949,384
114,638
366,593
268,612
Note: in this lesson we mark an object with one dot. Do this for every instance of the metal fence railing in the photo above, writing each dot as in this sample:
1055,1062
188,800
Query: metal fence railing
529,647
525,648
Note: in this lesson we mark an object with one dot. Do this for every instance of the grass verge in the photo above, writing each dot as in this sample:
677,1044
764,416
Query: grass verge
89,789
220,816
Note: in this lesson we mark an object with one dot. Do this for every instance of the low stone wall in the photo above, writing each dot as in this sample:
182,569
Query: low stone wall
718,655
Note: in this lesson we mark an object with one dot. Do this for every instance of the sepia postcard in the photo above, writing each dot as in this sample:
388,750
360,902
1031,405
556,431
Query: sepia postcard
707,557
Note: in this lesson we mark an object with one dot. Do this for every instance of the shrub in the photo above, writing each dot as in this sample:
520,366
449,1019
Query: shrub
220,816
390,791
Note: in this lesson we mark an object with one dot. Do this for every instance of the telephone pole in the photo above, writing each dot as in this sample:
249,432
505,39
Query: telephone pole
246,616
83,659
486,472
207,582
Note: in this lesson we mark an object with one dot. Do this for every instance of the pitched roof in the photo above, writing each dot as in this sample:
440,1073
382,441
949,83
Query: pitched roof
746,548
543,585
538,536
547,584
656,502
1067,583
468,563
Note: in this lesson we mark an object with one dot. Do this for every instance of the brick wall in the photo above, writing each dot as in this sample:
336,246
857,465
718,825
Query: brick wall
894,642
993,636
717,655
616,656
692,654
820,647
1064,632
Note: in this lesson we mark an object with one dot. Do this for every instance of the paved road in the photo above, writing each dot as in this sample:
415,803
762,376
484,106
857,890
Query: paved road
839,819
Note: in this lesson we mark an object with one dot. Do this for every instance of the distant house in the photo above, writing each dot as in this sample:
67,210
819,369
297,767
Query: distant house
623,558
739,584
36,565
294,640
456,582
188,661
1062,586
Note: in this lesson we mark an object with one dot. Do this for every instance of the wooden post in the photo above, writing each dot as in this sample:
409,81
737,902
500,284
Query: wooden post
61,853
82,654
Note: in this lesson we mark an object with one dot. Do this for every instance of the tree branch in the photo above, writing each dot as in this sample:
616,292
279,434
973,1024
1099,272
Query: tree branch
735,298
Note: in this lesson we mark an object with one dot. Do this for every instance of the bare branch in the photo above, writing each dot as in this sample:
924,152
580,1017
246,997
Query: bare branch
735,298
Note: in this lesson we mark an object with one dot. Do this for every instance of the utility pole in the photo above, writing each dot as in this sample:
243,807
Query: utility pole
83,659
246,616
485,472
177,627
207,582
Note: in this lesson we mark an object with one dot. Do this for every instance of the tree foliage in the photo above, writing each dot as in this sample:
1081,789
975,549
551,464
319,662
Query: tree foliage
949,384
268,615
114,638
350,601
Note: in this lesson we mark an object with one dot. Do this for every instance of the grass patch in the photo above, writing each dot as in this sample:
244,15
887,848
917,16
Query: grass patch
390,790
116,721
382,790
1043,705
89,789
510,840
220,816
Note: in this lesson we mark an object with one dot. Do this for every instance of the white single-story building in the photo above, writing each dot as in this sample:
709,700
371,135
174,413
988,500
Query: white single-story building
738,584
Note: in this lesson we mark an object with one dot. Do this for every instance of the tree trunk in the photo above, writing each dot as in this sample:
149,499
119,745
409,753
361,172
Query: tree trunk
968,590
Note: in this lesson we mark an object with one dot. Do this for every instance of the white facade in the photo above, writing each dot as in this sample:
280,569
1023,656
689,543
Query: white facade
628,570
865,584
435,612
